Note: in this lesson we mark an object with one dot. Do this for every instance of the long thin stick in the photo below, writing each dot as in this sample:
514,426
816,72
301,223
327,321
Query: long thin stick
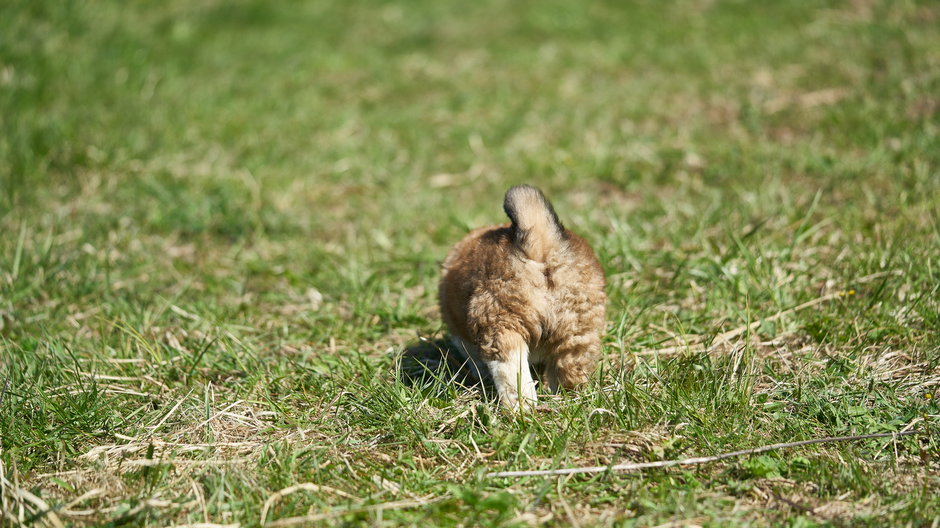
696,460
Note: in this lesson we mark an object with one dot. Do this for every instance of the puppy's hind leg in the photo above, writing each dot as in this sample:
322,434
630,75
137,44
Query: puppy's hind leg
511,375
572,362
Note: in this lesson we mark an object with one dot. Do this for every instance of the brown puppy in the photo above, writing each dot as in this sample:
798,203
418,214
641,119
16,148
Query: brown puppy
528,292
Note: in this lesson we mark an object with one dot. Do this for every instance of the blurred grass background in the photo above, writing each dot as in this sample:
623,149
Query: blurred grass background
244,203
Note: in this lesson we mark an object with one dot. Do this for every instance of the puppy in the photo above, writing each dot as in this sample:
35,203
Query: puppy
525,293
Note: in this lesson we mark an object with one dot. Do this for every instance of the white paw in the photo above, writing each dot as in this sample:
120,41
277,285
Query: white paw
519,398
514,383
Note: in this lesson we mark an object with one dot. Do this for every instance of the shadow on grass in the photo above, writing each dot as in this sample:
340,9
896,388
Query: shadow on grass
441,364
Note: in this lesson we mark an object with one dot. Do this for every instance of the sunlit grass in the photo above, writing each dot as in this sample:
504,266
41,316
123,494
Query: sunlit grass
220,228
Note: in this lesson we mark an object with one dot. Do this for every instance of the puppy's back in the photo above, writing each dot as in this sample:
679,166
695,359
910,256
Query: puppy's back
480,259
529,267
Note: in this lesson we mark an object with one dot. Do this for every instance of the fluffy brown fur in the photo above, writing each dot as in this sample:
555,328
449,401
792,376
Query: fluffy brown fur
526,293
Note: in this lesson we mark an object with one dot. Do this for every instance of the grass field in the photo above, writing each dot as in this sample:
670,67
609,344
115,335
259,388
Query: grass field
221,225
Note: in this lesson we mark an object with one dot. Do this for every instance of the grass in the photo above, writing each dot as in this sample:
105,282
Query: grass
221,227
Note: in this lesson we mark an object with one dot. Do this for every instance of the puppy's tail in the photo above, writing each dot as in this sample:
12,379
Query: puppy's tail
535,226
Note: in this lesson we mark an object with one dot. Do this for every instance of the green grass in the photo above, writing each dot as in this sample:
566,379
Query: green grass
221,223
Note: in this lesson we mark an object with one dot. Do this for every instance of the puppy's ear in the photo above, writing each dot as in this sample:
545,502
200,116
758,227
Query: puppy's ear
535,225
